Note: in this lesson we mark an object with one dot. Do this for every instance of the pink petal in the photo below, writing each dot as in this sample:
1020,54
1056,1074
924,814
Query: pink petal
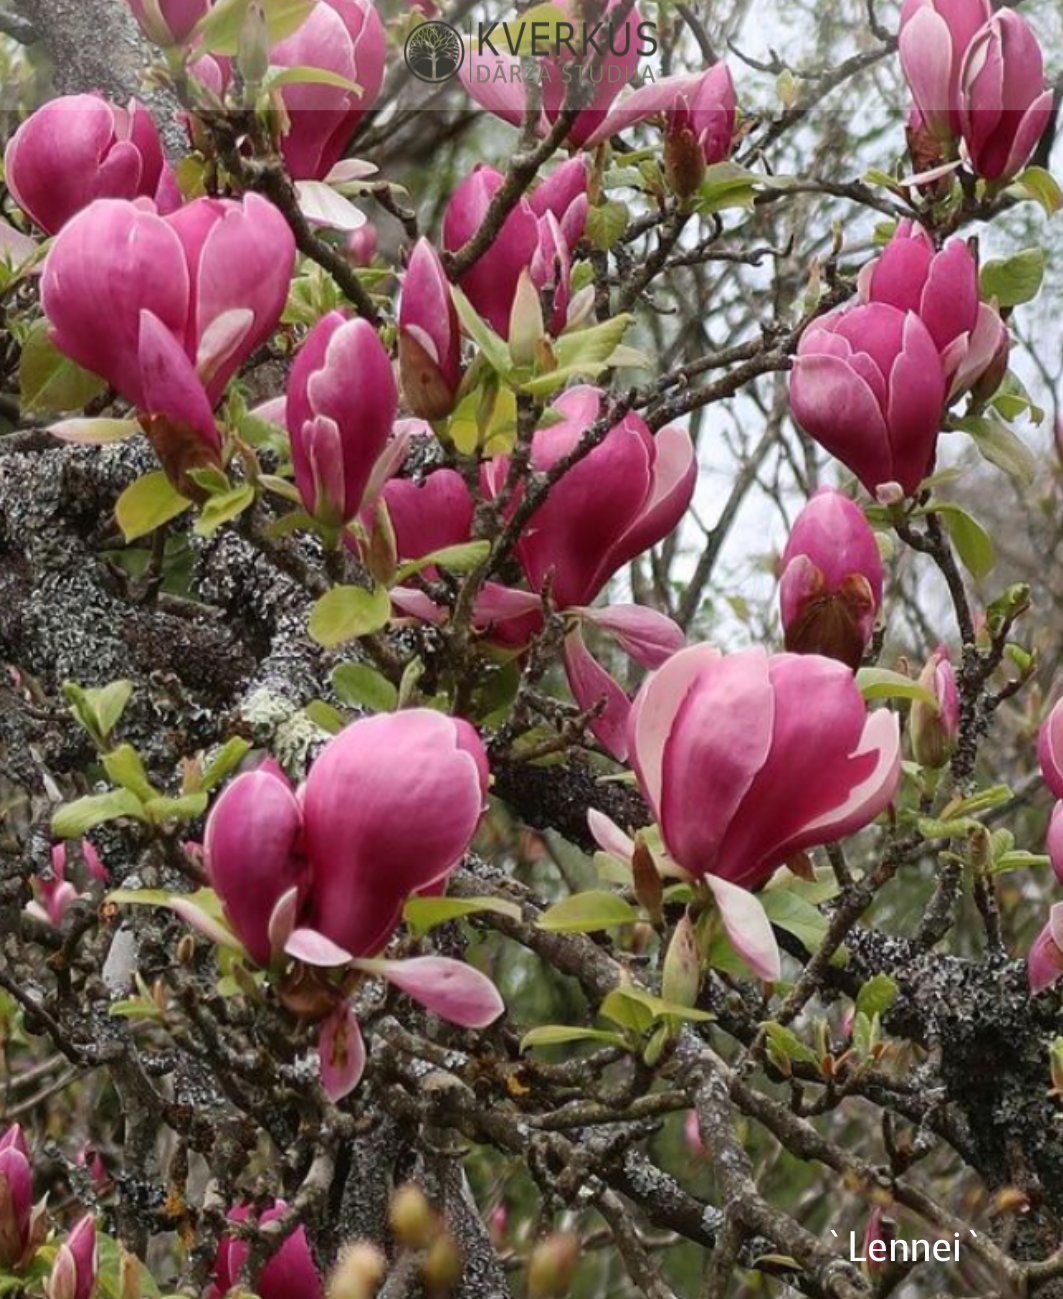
747,927
451,989
590,683
313,948
609,836
650,637
170,385
341,1053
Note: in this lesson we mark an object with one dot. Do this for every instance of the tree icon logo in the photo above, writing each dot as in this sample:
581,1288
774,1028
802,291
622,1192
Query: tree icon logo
434,51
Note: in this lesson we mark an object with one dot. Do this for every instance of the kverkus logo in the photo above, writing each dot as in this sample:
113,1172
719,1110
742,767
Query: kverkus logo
434,51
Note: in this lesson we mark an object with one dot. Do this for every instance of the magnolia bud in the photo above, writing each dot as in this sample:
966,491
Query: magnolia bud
684,161
526,328
383,555
359,1272
552,1266
648,887
412,1219
253,54
934,728
129,1283
442,1267
681,977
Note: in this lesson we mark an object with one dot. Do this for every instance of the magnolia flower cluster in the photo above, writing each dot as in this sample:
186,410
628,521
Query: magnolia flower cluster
977,77
1045,961
871,383
321,874
23,1228
290,1274
190,296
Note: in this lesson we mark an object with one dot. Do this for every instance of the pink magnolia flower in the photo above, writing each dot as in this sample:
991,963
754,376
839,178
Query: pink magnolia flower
625,496
189,297
699,112
494,81
934,729
290,1273
831,587
57,895
1054,842
491,283
342,37
168,22
341,406
1005,105
1044,961
537,236
257,875
429,337
746,759
942,289
869,386
421,779
73,1274
564,193
429,515
20,1228
361,244
934,39
80,148
1050,749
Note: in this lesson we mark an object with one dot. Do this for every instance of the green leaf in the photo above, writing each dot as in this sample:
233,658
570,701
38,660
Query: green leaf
147,504
983,800
606,224
1018,860
999,444
108,1285
462,558
222,508
881,683
305,76
973,544
347,612
48,381
202,910
638,1010
220,30
424,914
360,686
1015,279
796,916
75,819
94,432
225,761
98,708
590,349
787,1046
727,185
325,716
185,807
1040,185
125,768
495,351
877,995
559,1034
586,913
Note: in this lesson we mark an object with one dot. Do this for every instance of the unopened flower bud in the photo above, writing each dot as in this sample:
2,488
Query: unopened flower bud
648,887
552,1266
412,1219
442,1267
684,161
382,557
359,1272
681,976
73,1274
526,328
253,54
934,728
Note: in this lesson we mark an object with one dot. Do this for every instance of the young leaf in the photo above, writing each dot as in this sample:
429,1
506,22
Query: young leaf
75,819
877,995
360,686
1013,280
347,612
48,381
424,914
587,913
973,544
998,444
881,683
147,504
222,508
220,30
559,1034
